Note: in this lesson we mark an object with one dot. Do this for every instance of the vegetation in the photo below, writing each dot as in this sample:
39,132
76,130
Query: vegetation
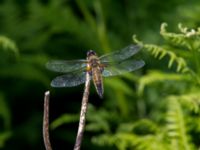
154,108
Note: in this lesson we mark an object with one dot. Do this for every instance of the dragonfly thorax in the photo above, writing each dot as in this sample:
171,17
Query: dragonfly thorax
94,62
92,58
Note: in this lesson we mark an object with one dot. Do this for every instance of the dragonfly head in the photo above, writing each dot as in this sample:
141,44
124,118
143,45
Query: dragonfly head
91,53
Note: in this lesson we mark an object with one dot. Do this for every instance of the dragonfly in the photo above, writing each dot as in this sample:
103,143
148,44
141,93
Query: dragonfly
111,64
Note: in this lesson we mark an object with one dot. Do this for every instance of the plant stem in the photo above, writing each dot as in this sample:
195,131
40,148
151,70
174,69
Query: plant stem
46,121
84,105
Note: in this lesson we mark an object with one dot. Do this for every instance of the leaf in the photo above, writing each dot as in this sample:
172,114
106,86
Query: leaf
157,76
8,50
4,136
64,119
118,84
176,125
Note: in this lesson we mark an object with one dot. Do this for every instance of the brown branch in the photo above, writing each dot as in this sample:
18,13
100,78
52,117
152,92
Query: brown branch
46,121
84,105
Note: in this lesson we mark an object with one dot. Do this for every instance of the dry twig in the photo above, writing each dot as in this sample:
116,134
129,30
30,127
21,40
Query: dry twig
46,121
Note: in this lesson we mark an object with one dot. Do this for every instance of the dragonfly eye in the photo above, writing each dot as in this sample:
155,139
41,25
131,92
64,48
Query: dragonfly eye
90,53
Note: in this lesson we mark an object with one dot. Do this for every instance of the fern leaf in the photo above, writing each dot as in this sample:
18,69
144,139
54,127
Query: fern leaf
156,76
159,52
124,141
190,100
174,39
187,38
176,126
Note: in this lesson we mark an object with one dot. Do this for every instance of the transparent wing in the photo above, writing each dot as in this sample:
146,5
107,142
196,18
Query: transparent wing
123,67
69,79
65,66
121,55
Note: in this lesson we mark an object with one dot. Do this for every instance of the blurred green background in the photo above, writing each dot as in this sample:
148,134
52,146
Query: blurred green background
156,107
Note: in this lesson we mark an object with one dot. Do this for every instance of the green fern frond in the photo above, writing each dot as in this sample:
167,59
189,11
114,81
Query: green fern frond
176,126
160,52
98,120
151,142
124,141
103,139
190,100
140,135
156,76
142,126
174,39
187,38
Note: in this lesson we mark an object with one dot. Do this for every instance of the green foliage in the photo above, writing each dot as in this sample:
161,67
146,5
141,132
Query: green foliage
179,102
176,125
4,137
8,50
154,76
142,134
187,40
65,118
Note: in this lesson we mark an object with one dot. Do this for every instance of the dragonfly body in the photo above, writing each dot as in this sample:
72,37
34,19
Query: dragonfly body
95,69
111,64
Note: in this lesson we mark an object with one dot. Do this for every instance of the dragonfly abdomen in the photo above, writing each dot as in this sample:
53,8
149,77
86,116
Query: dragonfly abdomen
98,81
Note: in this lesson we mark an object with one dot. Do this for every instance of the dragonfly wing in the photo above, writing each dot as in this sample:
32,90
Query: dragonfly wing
69,79
65,66
121,54
122,67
